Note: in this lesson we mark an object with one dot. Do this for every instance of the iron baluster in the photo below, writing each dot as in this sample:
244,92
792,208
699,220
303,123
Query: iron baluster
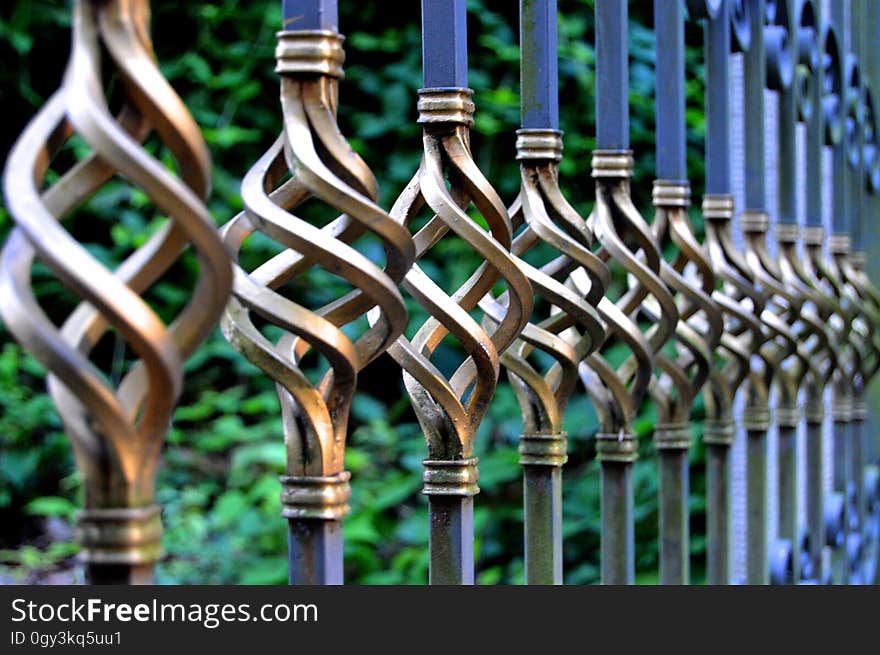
736,297
809,326
321,165
700,322
618,393
450,410
825,131
768,53
116,430
868,311
829,269
573,329
809,106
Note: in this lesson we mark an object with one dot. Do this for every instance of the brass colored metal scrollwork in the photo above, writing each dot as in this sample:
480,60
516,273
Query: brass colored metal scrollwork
117,430
567,331
618,388
549,219
741,307
680,377
618,391
321,165
450,409
700,326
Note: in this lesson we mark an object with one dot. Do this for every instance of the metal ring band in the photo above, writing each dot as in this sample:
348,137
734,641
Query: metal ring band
539,144
317,52
718,207
120,535
612,163
720,433
839,244
859,410
754,222
841,408
446,105
814,412
756,419
787,232
451,477
672,436
859,259
543,449
612,447
315,496
813,235
788,417
671,193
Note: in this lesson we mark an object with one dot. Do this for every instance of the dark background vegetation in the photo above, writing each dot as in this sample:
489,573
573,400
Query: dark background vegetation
218,483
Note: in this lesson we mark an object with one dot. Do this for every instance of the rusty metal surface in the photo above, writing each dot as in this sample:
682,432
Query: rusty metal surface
117,431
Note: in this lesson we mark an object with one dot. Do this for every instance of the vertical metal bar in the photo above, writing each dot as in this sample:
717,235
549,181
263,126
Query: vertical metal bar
444,43
674,517
451,540
841,462
612,133
842,402
718,514
539,74
755,62
758,562
315,552
612,75
314,545
717,56
451,517
618,534
670,94
671,170
542,514
755,75
857,187
816,495
814,401
309,15
787,496
542,476
717,45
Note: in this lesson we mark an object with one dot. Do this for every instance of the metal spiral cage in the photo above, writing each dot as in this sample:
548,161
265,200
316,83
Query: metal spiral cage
312,159
117,430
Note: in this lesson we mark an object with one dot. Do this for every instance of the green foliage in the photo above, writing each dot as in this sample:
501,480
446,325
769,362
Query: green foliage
218,482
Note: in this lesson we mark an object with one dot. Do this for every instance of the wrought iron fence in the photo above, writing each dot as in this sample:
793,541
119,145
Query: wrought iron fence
767,311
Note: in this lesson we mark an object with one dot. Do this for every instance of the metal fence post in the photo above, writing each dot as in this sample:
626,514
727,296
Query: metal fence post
742,331
813,105
868,22
796,104
572,329
116,429
322,165
858,132
450,411
618,393
823,130
681,376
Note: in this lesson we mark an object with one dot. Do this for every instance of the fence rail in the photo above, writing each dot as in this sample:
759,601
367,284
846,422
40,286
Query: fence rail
767,311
